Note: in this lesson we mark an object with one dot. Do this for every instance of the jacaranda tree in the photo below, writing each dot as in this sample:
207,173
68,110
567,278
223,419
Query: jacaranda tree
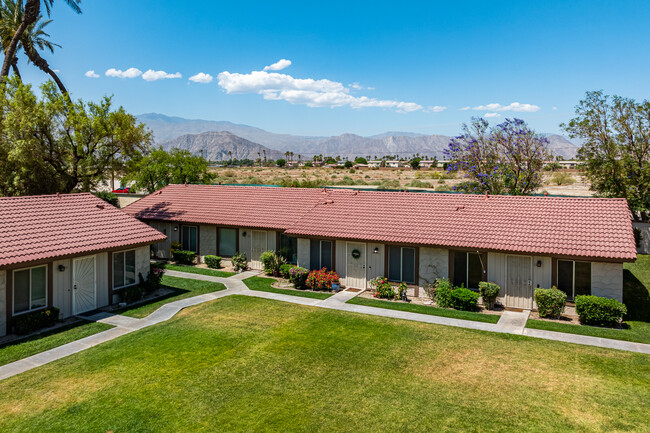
505,159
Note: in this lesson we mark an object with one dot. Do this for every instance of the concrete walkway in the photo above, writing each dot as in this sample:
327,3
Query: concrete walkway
509,323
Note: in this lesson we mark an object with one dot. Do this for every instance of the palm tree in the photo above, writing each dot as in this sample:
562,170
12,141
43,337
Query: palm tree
33,39
230,157
31,14
264,150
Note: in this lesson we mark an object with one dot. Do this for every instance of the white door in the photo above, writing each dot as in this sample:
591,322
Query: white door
355,272
519,288
259,245
84,296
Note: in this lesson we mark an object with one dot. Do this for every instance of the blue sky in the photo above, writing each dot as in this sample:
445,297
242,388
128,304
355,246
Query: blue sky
360,67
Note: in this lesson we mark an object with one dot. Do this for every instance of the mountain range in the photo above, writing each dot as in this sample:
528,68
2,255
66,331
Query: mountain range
217,138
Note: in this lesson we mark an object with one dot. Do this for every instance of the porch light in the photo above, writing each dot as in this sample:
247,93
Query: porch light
376,250
61,268
243,234
175,228
539,263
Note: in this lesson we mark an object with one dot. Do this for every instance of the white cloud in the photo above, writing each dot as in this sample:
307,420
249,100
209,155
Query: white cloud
436,108
306,91
465,108
118,73
91,74
278,66
515,106
554,108
152,75
491,115
356,86
201,78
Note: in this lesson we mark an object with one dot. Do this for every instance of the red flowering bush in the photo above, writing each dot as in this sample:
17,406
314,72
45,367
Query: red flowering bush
383,289
322,279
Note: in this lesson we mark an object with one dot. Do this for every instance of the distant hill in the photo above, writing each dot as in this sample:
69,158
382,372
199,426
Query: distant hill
216,145
166,128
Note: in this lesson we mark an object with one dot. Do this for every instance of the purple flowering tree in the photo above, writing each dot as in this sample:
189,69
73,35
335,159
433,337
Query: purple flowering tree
505,159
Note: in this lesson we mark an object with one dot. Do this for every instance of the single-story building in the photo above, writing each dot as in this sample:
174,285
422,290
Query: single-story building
376,163
428,163
518,242
69,251
395,164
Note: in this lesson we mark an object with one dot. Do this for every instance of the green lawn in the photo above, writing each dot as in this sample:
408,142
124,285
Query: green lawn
263,284
184,288
424,309
195,270
249,364
49,340
636,296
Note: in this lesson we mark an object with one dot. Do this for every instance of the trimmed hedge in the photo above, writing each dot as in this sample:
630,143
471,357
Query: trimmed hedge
31,322
184,257
464,299
595,310
550,302
132,294
213,262
443,293
489,293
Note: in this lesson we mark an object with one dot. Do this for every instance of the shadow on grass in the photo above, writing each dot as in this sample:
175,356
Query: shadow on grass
176,292
42,335
636,296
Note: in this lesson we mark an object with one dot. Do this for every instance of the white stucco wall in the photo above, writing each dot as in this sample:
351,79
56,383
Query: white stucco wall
245,242
303,246
3,303
101,264
62,287
434,263
207,241
644,247
607,280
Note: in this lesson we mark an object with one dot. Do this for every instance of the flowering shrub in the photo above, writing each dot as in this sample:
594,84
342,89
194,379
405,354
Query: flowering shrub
322,279
383,289
30,322
489,293
298,276
239,262
401,290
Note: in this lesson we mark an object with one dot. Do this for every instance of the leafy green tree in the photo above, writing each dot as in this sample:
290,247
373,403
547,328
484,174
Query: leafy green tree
616,148
108,197
281,162
161,168
348,164
415,163
360,160
53,144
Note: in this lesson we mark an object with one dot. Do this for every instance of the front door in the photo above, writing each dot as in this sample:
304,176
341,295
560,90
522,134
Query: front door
83,285
519,288
259,245
355,272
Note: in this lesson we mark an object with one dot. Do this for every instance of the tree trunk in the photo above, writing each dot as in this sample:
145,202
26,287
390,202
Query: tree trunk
30,15
14,66
42,64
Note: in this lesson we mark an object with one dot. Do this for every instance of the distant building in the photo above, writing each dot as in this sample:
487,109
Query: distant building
395,164
428,163
375,163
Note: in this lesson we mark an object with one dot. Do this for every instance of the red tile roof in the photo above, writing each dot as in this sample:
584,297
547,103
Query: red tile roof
563,226
240,206
566,226
50,226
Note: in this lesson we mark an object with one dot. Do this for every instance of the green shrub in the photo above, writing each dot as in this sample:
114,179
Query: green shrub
239,262
298,276
108,197
595,310
31,322
184,257
489,293
266,258
175,246
213,262
401,290
284,270
132,294
443,293
153,280
464,299
550,302
383,289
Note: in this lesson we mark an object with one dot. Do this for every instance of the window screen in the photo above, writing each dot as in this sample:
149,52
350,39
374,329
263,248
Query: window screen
129,267
460,269
408,265
38,287
582,279
474,270
118,270
565,277
227,242
21,291
394,263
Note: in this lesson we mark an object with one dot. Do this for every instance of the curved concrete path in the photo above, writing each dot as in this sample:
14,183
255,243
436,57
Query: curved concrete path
235,286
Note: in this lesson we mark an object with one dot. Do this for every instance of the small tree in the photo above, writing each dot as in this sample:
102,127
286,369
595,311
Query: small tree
360,160
616,148
281,162
348,164
415,163
505,159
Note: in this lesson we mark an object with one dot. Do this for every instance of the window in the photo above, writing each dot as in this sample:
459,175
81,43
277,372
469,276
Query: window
123,269
227,242
401,264
289,248
468,269
30,289
574,278
320,254
188,238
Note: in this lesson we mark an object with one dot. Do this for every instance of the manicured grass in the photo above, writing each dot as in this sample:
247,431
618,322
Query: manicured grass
249,364
635,331
425,309
185,288
636,288
263,284
49,340
195,270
